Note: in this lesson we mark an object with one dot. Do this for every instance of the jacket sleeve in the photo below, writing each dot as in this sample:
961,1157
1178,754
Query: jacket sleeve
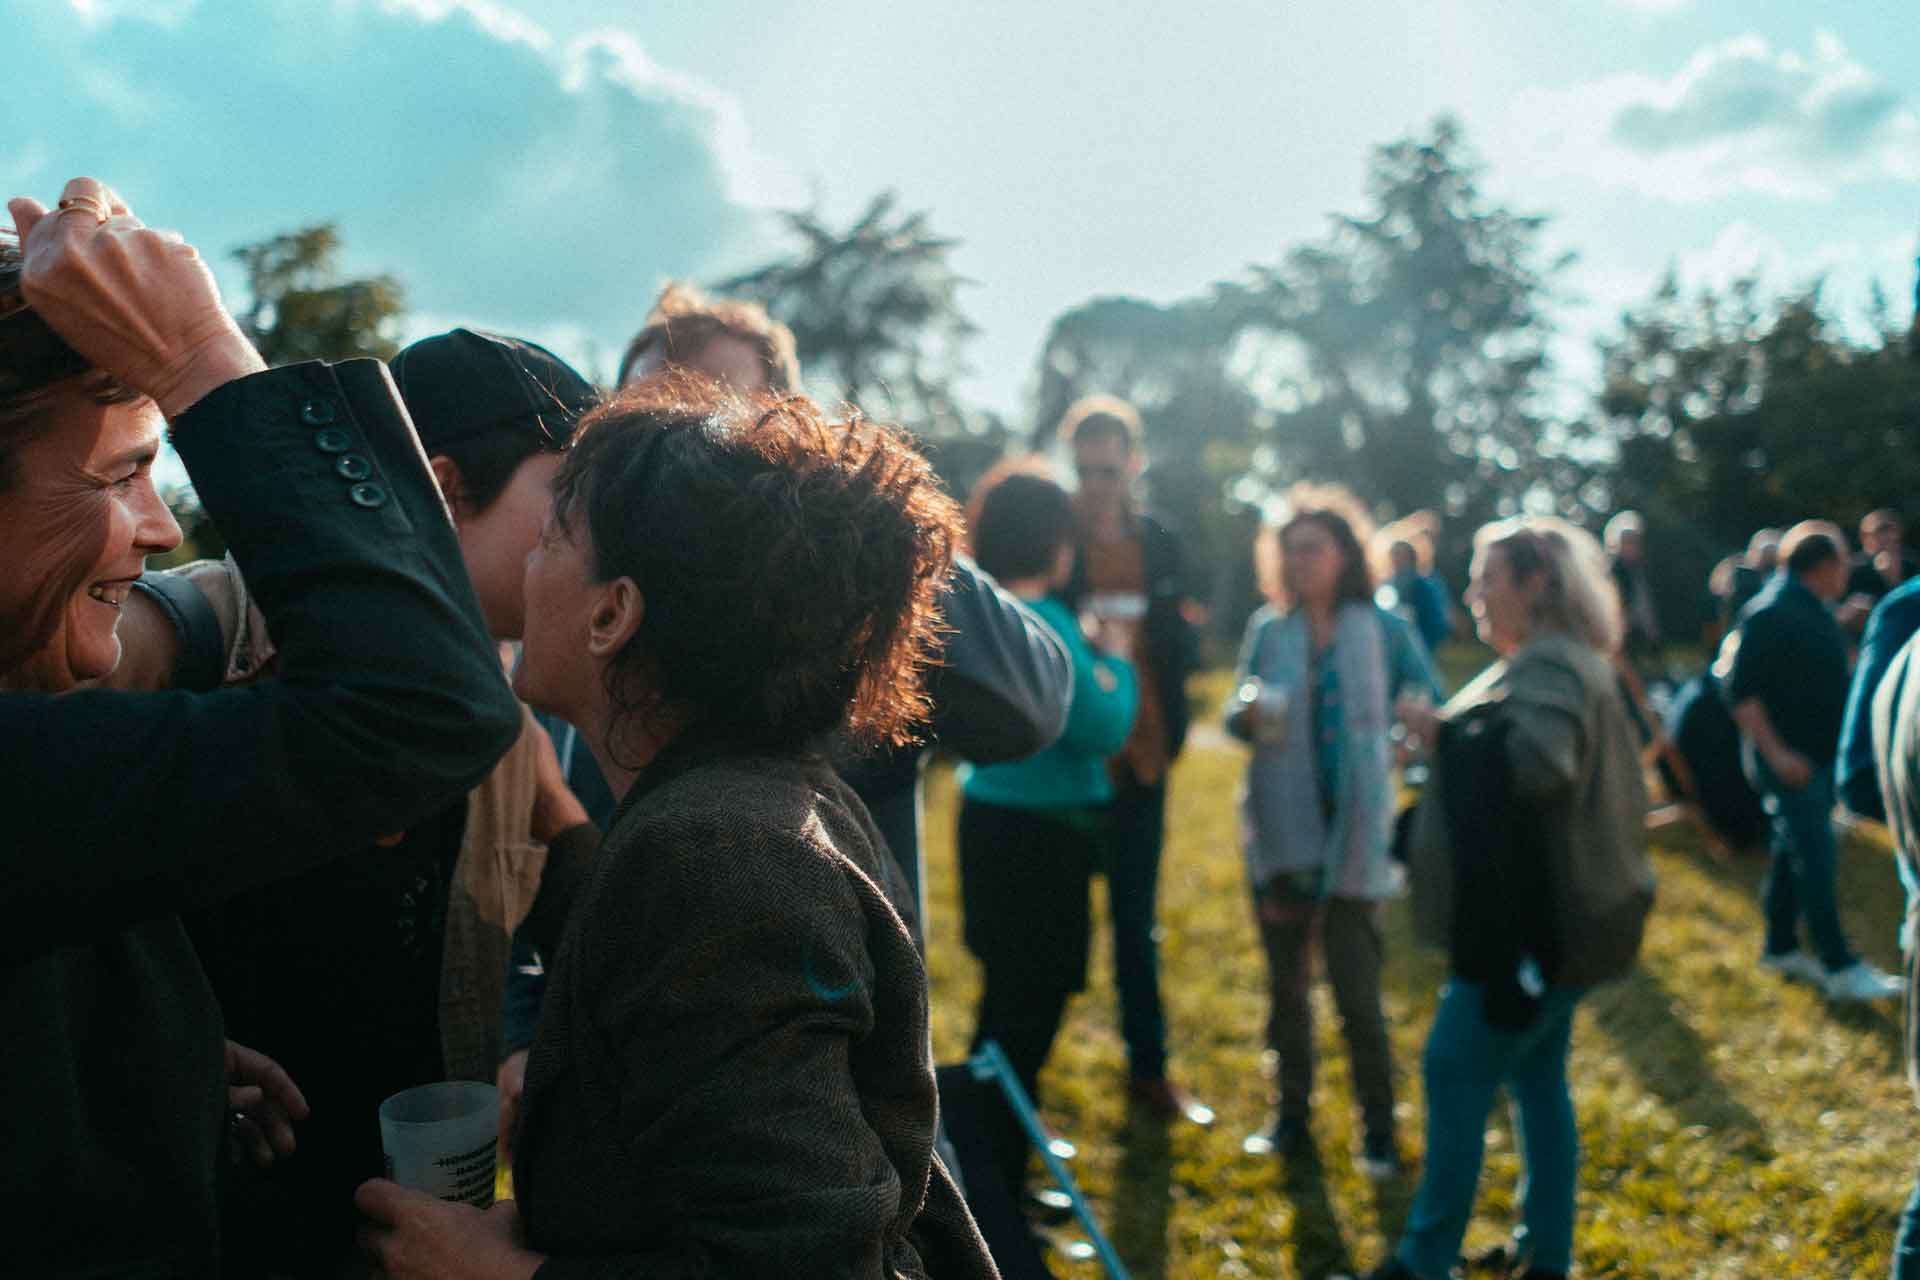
1002,689
1410,666
391,701
1892,623
1232,716
1546,735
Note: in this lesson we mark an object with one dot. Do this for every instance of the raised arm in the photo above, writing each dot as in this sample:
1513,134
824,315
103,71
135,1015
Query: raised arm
390,701
1004,683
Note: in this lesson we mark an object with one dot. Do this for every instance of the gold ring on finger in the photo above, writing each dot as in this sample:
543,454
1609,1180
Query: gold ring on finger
88,204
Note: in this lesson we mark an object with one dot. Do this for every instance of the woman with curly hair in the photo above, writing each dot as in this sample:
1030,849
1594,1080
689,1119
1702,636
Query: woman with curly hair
731,1075
1319,673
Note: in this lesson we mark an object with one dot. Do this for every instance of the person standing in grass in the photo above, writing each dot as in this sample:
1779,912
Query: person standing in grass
1319,673
1896,751
1787,681
1528,863
1030,829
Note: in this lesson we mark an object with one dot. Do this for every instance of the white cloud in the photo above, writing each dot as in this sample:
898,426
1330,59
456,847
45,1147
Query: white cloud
1740,116
507,178
1657,7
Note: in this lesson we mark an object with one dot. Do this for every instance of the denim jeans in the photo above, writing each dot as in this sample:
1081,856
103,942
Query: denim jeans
1467,1061
1800,881
1906,1244
1138,816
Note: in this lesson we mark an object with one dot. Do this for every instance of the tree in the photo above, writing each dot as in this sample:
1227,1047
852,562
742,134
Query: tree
875,312
297,309
1405,354
1729,413
1172,363
301,310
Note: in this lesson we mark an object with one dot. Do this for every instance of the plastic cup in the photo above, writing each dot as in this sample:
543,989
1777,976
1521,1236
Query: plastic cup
443,1139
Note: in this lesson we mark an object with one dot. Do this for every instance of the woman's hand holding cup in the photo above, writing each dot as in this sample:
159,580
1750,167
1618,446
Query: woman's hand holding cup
138,303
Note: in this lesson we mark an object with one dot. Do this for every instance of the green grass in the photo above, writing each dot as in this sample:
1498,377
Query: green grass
1732,1124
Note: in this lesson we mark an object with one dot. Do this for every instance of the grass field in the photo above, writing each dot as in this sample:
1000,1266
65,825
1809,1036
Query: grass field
1732,1124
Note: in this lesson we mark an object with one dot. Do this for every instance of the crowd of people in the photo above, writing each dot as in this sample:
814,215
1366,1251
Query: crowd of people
571,739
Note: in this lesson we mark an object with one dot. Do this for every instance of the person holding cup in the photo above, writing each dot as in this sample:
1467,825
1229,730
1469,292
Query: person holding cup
731,1074
1319,673
130,808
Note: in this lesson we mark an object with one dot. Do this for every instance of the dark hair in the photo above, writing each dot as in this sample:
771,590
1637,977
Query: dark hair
684,320
487,460
1809,551
1018,520
1334,509
36,369
1095,418
789,563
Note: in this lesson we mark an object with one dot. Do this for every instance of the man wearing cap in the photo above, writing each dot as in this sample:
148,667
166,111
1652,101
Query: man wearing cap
383,969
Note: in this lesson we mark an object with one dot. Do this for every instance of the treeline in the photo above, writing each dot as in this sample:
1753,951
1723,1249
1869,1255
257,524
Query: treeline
1405,353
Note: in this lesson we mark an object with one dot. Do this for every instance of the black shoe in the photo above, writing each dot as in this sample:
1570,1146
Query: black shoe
1049,1206
1380,1157
1283,1136
1497,1261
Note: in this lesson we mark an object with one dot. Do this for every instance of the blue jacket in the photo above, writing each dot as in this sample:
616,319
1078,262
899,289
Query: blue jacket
1894,620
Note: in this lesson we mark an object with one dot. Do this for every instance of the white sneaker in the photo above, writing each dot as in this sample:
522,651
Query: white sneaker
1860,981
1795,964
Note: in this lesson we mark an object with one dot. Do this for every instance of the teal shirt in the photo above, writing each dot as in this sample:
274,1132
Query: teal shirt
1072,773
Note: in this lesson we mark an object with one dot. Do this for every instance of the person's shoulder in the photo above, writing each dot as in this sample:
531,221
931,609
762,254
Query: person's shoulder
729,820
1559,668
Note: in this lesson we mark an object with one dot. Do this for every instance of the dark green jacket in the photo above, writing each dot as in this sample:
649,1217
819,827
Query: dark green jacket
127,808
732,1076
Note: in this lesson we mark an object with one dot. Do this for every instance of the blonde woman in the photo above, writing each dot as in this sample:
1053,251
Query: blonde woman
1529,865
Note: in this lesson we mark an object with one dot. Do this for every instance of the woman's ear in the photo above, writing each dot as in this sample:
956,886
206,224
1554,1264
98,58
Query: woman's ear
617,615
453,485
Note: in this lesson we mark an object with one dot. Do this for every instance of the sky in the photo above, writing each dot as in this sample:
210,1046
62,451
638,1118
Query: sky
541,169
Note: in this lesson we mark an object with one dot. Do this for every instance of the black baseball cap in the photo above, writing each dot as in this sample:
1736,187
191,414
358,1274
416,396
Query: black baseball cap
465,383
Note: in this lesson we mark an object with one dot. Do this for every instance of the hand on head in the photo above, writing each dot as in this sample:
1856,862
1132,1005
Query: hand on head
136,302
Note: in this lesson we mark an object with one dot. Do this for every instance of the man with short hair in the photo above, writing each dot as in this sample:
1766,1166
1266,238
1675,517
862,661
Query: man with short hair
735,343
1787,686
1882,564
1128,570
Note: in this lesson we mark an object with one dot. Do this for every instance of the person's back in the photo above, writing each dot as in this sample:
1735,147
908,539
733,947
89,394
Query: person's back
713,957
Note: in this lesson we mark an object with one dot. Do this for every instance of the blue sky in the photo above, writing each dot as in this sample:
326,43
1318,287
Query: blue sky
541,169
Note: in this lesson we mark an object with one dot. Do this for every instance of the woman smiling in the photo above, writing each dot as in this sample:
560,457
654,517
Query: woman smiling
128,808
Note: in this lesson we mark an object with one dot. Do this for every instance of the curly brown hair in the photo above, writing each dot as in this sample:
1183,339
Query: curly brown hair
789,562
1344,518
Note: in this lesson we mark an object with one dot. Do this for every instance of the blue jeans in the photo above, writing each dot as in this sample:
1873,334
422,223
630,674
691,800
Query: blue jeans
1466,1062
1906,1244
1800,881
1138,815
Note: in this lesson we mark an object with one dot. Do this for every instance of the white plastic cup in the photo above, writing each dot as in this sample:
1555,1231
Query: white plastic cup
444,1139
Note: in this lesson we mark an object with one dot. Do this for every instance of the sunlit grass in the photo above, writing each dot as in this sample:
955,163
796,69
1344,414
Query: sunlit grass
1733,1125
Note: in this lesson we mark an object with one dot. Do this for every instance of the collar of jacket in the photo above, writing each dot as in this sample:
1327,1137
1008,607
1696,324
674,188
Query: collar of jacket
694,746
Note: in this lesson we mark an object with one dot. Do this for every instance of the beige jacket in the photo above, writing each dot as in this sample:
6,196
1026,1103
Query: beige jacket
1572,749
